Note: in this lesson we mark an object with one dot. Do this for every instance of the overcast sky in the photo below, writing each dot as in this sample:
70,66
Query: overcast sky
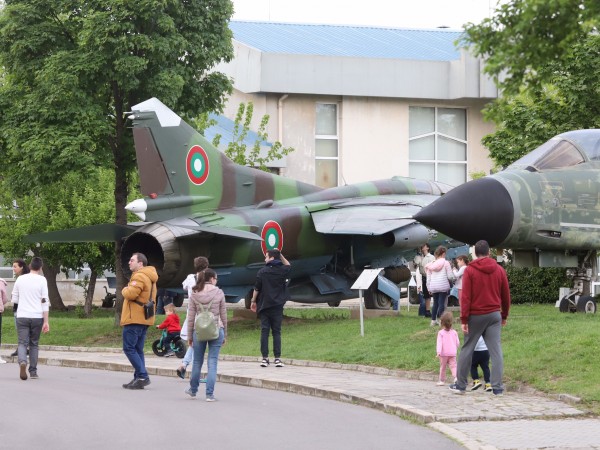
395,13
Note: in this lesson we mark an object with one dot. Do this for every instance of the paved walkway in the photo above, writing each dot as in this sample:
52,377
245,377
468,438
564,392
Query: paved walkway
477,420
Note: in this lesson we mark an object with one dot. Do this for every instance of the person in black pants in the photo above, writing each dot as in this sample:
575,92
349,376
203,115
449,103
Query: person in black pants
481,358
269,297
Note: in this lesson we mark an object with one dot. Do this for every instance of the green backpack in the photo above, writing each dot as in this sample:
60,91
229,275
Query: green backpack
206,324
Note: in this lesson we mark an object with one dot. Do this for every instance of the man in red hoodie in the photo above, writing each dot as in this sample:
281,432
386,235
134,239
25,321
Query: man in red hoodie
484,306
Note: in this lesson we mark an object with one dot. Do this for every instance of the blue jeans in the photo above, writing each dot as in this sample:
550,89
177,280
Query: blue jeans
439,304
214,347
188,358
134,337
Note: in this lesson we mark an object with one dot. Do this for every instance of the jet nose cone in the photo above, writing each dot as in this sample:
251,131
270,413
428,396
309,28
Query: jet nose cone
479,209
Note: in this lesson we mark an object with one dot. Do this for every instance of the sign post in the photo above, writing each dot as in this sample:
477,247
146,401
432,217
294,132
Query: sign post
363,282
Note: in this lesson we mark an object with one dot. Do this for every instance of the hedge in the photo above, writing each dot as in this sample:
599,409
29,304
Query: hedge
536,285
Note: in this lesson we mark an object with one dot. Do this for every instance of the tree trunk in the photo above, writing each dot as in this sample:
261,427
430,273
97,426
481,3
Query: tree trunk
120,159
56,302
89,297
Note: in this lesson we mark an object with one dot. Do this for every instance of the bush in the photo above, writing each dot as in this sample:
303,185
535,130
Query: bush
535,284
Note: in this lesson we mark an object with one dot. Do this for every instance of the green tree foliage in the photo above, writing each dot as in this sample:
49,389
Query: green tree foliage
73,70
569,99
237,149
536,285
524,35
74,201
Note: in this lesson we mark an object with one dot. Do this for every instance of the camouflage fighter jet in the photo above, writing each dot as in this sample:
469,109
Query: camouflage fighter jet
198,202
545,207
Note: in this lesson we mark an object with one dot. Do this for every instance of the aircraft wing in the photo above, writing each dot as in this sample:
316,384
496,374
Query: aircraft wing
105,232
366,218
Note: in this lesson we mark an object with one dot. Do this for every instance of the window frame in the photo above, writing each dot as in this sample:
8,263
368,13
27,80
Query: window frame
331,137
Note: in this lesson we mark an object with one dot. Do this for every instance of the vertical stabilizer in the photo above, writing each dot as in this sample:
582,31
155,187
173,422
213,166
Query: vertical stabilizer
179,167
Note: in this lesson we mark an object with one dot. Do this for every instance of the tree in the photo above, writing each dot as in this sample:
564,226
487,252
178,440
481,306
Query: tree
73,70
524,35
237,148
56,207
568,100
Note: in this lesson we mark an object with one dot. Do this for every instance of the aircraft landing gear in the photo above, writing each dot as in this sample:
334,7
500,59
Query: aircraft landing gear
377,300
575,303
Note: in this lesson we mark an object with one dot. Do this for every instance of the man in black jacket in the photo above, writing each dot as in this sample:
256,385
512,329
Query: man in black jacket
269,296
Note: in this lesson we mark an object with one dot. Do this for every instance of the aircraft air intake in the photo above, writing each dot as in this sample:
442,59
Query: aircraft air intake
480,209
166,249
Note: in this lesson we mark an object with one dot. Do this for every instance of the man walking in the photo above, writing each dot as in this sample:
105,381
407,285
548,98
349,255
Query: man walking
484,306
31,293
420,261
140,290
269,297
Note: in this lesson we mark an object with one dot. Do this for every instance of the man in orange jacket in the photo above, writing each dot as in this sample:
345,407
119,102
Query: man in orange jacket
140,290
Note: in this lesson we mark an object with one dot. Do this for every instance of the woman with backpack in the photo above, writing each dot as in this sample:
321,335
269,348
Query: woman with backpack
206,297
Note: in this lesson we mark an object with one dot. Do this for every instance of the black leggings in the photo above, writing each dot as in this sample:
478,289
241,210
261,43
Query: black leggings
481,359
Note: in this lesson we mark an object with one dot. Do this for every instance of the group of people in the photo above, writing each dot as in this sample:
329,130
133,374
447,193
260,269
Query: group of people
484,299
268,298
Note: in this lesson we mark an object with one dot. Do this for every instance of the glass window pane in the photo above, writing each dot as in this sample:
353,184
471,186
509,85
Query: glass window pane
425,171
452,122
420,121
326,147
326,119
326,172
451,150
422,148
452,174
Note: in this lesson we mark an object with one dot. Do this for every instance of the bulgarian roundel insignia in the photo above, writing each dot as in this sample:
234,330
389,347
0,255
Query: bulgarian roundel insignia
272,236
196,165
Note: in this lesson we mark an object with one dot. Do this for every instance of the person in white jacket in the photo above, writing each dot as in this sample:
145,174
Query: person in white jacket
439,275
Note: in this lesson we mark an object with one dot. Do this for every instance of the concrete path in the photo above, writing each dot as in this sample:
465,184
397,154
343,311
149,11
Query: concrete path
477,420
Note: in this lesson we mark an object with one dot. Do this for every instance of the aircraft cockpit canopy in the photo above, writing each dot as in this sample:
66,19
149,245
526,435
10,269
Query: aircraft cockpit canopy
565,150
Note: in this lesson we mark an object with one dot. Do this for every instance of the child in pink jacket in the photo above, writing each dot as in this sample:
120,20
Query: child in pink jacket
447,347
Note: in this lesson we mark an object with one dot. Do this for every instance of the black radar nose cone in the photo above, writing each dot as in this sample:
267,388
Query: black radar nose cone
479,209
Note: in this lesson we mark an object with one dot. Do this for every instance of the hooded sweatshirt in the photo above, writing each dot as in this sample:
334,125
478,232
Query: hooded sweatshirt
141,288
485,290
439,273
204,297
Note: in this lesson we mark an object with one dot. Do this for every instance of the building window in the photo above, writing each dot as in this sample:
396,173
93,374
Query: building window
326,145
437,148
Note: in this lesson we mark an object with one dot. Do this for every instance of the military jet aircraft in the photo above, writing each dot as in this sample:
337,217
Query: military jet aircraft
198,202
545,207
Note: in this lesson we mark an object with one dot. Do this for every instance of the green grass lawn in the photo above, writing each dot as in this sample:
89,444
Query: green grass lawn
545,349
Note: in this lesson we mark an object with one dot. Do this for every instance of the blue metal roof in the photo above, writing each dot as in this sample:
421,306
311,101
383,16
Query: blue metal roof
349,41
224,127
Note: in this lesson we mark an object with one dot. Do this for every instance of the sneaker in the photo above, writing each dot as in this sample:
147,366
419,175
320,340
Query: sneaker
488,387
278,363
441,383
211,398
126,385
181,372
15,353
2,361
202,380
433,323
455,389
427,314
189,392
169,353
138,384
33,375
265,362
498,392
476,385
23,371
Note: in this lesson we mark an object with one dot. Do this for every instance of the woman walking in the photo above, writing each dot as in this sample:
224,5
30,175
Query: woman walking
207,294
439,274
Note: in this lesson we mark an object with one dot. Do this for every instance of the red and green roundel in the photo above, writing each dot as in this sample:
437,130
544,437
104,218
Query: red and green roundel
272,236
197,165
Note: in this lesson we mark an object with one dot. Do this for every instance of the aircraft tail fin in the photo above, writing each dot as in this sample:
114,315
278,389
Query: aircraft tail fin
179,167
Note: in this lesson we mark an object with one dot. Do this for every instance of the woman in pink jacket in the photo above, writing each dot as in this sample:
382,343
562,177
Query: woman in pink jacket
439,274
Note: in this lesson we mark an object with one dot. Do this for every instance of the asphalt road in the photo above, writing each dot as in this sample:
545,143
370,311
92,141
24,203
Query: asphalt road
80,408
